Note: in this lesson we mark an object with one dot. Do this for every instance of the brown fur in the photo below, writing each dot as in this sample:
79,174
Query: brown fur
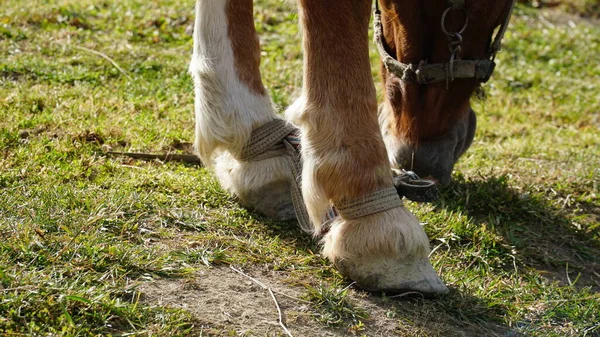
340,98
412,33
245,44
342,146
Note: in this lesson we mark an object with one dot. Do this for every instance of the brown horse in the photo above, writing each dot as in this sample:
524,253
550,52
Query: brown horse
435,53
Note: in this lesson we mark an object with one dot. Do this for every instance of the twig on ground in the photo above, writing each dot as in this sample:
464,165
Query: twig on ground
292,297
185,158
407,294
546,22
279,312
16,288
593,297
436,248
133,167
106,57
346,288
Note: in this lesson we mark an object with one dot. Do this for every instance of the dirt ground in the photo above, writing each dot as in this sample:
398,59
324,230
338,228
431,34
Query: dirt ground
226,303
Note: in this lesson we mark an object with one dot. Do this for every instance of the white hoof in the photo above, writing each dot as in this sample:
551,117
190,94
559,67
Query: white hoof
393,275
386,251
262,186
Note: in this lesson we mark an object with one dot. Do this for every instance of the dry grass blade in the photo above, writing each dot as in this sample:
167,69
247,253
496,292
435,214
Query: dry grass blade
279,312
184,158
106,57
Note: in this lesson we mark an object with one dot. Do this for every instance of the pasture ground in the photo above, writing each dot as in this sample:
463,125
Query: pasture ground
99,245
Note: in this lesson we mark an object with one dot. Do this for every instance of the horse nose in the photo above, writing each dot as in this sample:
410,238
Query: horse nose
442,178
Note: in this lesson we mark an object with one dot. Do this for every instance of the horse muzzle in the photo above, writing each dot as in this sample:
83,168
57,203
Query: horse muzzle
434,159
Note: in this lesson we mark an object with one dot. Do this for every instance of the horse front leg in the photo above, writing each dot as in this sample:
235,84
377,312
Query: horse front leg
231,102
375,241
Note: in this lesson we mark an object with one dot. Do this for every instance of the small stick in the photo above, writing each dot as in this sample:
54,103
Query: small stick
276,292
104,56
16,288
593,297
407,294
346,288
279,312
185,158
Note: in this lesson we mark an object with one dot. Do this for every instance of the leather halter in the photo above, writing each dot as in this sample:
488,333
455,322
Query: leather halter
424,73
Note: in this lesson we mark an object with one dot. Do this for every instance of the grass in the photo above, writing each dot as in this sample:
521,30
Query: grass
333,306
584,8
516,237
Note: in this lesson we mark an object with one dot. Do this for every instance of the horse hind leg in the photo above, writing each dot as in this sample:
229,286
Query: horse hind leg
345,159
230,102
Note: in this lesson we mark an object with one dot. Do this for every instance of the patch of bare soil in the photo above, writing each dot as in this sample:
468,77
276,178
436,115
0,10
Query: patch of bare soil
226,303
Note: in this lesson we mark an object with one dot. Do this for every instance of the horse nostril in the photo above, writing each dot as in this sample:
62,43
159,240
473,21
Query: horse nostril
432,178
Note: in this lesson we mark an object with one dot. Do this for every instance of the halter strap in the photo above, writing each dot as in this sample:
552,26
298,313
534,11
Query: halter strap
497,44
379,201
280,138
266,141
424,73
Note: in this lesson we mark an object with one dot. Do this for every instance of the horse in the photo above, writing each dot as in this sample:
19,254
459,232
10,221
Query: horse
330,162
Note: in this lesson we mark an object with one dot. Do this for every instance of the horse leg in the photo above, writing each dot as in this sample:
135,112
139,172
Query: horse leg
230,102
345,157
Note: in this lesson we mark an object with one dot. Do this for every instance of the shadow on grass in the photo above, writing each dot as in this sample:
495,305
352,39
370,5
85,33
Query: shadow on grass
538,234
520,224
505,222
455,314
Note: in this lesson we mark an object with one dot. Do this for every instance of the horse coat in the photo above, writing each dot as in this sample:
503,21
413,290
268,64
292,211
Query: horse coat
435,53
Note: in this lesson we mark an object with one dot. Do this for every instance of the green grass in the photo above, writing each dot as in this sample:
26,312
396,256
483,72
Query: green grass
584,8
516,237
333,306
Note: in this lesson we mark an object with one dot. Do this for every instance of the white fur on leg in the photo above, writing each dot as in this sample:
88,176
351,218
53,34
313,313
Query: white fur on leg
317,203
294,112
226,109
262,185
386,251
394,233
392,143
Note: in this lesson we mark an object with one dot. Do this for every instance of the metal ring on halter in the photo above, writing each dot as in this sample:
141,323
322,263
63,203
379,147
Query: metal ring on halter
443,22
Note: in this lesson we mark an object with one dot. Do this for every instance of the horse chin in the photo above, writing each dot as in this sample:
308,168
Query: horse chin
434,159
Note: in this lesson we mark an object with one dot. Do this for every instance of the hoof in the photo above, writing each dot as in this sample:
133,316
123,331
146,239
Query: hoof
262,186
272,200
395,276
